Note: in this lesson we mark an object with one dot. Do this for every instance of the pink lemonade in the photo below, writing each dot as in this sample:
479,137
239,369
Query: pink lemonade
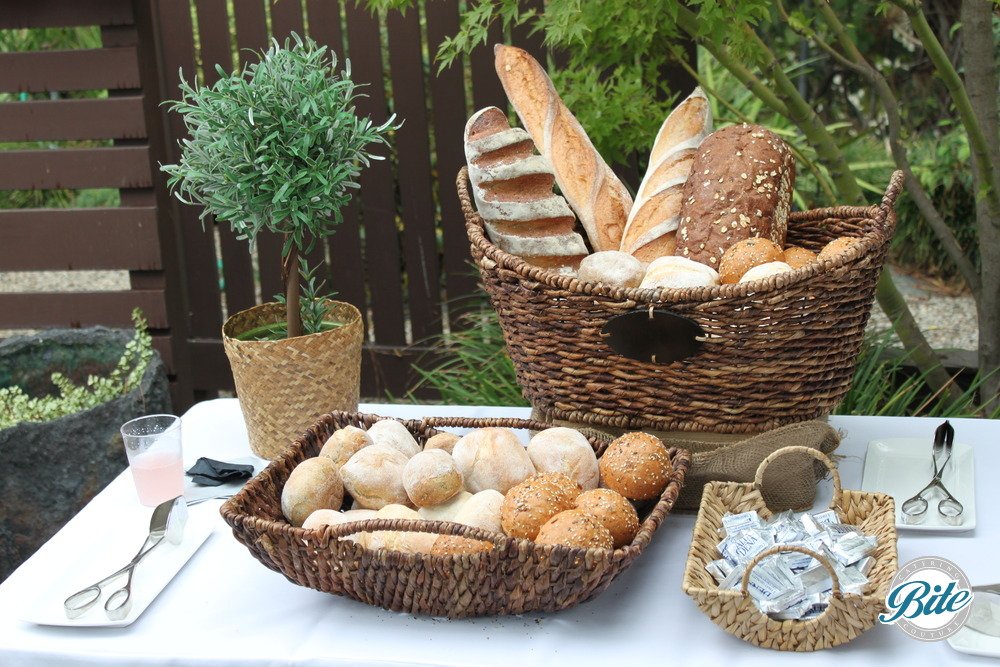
158,476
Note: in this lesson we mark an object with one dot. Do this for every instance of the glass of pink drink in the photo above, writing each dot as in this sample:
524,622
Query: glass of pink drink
153,447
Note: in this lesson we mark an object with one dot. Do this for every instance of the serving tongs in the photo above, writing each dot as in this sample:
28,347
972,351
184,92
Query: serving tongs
949,508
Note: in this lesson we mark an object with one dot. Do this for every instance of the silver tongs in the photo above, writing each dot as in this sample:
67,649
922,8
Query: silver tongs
915,509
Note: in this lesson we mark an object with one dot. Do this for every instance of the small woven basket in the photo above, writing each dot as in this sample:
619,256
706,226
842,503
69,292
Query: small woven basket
285,385
515,577
774,351
846,617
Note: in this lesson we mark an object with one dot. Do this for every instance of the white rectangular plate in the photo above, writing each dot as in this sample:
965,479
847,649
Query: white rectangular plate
969,641
902,466
109,550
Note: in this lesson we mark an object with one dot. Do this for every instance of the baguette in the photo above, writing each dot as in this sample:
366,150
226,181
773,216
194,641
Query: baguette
513,191
652,223
599,199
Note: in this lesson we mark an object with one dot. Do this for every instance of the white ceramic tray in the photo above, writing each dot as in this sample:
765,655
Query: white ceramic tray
109,550
902,466
969,641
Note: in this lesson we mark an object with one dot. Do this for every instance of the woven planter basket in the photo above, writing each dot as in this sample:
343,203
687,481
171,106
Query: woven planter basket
285,385
775,351
847,615
515,577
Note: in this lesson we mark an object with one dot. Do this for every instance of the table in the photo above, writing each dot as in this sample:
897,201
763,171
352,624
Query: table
225,608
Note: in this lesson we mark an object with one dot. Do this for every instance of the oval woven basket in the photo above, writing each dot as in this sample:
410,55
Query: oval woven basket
846,617
515,577
775,351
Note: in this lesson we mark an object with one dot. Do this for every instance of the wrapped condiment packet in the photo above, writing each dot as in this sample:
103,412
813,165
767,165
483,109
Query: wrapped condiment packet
865,565
771,580
743,546
851,580
813,524
720,569
733,579
735,523
851,548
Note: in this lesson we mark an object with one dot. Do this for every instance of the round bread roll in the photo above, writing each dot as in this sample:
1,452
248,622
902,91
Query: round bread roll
574,528
797,257
482,510
400,540
534,501
374,477
321,518
836,247
568,451
613,268
452,545
492,458
445,441
765,270
677,262
431,478
613,511
392,433
677,272
743,256
445,511
313,485
344,444
636,465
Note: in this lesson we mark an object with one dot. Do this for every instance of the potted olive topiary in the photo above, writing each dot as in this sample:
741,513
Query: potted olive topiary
277,148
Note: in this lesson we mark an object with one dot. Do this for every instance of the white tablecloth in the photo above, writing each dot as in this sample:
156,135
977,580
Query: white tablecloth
225,608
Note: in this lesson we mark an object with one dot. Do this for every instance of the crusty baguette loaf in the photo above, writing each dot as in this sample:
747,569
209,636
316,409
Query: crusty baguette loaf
513,191
652,222
740,186
600,200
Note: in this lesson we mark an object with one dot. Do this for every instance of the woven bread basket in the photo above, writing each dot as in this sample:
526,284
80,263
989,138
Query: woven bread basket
846,617
515,577
774,351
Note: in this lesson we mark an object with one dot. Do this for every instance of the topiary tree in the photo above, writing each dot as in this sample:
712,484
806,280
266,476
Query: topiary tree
277,147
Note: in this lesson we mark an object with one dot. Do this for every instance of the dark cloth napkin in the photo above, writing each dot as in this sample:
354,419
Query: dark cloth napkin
209,472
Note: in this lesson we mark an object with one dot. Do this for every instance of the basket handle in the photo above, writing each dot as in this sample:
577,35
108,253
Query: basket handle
341,530
789,547
896,182
758,478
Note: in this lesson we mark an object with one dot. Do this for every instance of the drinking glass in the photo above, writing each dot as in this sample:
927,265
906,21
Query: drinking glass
153,447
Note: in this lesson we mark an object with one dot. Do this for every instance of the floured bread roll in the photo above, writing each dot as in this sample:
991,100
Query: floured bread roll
398,540
678,272
482,510
445,511
344,444
765,270
492,458
431,478
374,477
445,441
567,451
392,433
313,484
611,267
321,518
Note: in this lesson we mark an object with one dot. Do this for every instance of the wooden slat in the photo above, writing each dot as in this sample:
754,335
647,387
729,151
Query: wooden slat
522,35
57,120
39,310
286,18
115,167
204,303
448,103
81,238
85,69
378,199
324,24
486,88
63,13
415,187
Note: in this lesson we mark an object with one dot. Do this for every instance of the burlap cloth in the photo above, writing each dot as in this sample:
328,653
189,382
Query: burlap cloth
789,482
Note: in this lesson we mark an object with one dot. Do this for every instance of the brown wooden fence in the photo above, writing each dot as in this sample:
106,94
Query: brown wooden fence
401,255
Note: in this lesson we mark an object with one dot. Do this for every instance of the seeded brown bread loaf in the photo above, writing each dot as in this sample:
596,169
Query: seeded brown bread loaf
740,186
600,200
512,187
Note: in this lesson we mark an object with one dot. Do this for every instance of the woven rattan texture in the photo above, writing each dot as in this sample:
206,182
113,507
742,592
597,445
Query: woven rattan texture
285,385
516,576
734,610
777,350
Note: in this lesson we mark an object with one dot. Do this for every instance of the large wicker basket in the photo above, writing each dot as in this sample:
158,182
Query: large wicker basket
515,577
847,615
774,351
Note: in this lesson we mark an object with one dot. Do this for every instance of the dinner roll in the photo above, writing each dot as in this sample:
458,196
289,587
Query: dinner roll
400,540
837,247
765,270
797,257
374,477
565,450
321,518
574,528
431,478
452,545
534,501
344,444
612,268
613,511
482,510
743,256
314,484
445,441
492,458
677,272
636,465
445,511
392,433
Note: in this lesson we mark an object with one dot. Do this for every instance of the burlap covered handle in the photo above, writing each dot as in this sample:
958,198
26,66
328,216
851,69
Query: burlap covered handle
758,479
781,549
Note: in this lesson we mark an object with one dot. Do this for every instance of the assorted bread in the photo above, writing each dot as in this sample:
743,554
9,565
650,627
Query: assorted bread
552,490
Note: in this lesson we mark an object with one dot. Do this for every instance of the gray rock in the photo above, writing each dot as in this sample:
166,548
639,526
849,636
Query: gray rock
52,469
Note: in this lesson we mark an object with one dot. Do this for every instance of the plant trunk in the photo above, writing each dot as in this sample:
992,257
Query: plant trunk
293,312
979,60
